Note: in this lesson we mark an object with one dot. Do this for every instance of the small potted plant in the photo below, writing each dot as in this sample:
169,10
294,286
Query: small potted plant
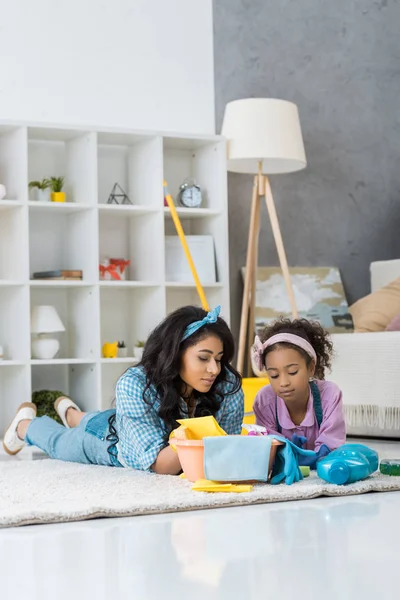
56,184
138,350
122,349
44,400
41,189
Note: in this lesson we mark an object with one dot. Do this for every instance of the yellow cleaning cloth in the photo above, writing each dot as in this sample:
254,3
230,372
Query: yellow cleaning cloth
180,433
204,485
195,429
201,427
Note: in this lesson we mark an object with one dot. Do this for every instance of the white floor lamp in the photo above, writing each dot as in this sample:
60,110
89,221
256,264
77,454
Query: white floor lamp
264,138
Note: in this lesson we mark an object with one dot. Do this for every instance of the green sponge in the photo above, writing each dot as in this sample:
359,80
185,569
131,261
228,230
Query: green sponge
305,471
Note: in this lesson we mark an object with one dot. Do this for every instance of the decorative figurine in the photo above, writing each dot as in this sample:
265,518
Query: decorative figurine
118,196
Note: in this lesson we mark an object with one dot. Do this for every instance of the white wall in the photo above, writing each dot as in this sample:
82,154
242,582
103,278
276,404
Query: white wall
141,64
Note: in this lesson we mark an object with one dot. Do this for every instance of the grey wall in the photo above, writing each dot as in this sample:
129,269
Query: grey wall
339,61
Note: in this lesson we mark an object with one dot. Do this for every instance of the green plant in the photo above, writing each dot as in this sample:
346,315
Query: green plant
41,185
56,184
121,344
44,400
140,344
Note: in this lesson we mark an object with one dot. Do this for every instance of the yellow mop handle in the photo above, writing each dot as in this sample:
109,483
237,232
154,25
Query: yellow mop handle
182,238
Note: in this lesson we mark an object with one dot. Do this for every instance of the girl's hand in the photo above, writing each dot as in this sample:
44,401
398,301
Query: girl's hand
299,440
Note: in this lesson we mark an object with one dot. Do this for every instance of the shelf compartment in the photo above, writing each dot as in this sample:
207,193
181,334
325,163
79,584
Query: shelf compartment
192,213
57,207
63,361
138,239
78,310
129,284
80,382
13,233
13,162
135,163
129,360
177,285
14,322
130,314
10,282
127,210
66,153
59,283
60,241
11,363
10,204
14,389
209,225
201,160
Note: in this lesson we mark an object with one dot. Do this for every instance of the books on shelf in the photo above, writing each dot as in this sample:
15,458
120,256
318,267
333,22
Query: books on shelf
58,274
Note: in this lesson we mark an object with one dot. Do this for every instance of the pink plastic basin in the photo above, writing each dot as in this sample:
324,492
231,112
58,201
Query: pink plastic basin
191,456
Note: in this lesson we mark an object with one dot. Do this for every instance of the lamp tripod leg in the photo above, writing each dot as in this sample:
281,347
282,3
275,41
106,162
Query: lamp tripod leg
253,289
280,247
255,209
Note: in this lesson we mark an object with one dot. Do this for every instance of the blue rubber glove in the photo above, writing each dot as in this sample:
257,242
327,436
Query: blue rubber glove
309,461
286,467
299,440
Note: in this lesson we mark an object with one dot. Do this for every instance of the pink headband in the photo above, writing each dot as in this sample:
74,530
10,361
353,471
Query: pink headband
258,348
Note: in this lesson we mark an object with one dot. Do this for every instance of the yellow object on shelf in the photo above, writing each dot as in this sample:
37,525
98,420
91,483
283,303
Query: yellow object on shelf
204,485
57,196
251,385
110,350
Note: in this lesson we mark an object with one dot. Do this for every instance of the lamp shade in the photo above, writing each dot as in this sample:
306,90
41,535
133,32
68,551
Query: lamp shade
45,319
263,130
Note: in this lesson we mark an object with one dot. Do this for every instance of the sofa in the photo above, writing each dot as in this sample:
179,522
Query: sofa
366,366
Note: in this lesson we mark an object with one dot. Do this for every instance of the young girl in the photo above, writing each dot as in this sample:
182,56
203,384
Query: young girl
299,404
185,372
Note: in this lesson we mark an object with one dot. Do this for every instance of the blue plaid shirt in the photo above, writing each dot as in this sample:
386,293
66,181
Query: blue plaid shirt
142,433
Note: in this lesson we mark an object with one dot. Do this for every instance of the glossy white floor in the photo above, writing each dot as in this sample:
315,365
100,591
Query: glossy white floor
335,549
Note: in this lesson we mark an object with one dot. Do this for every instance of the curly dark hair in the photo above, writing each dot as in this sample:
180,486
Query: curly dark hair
162,361
308,330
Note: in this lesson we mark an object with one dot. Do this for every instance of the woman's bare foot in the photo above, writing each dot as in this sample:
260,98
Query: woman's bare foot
22,428
73,416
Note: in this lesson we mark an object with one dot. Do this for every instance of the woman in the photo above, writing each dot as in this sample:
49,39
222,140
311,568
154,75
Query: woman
185,372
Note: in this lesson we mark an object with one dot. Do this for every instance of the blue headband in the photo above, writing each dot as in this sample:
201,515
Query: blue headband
210,317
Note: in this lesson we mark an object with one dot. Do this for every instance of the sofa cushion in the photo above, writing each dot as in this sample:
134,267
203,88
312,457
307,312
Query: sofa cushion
375,311
394,324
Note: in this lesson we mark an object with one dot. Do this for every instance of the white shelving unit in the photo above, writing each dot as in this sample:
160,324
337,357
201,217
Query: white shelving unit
79,233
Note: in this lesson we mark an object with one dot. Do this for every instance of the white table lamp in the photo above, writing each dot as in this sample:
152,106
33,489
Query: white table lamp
45,321
263,138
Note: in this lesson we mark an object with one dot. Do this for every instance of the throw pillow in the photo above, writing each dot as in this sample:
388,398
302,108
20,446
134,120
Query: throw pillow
394,324
375,311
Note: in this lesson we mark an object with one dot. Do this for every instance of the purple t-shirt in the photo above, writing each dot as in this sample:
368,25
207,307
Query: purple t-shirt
332,431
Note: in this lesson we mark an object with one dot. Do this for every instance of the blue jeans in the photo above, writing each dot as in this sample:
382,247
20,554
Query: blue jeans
85,443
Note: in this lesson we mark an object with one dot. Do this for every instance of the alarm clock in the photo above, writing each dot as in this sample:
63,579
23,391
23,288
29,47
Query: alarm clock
189,194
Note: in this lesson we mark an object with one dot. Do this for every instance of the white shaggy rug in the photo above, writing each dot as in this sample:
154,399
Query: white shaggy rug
51,491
